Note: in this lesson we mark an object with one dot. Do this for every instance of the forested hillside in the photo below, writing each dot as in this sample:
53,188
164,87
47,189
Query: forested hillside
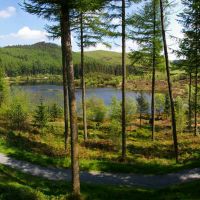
43,58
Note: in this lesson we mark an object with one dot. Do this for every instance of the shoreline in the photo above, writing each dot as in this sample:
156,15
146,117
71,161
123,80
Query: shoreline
132,84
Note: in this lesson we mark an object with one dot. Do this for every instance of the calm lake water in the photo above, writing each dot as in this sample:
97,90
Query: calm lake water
54,93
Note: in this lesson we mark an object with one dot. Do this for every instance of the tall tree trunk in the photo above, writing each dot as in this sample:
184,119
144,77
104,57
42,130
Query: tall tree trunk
65,29
169,83
189,103
153,73
196,101
83,81
65,90
123,80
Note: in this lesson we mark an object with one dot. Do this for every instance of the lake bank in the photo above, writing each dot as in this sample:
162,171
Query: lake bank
104,81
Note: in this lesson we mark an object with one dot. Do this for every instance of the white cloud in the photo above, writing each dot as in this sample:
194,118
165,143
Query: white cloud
130,45
8,12
97,47
27,33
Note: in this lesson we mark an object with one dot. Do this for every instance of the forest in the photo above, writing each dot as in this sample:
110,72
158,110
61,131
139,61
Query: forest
45,58
102,124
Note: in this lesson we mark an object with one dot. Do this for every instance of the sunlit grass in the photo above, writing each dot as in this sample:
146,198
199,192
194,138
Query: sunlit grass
101,152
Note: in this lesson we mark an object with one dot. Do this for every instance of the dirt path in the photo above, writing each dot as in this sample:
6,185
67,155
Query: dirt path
150,181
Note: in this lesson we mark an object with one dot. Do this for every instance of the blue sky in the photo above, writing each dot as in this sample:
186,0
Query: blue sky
19,27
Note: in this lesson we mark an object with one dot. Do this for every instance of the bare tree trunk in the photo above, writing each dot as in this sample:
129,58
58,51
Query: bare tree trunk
123,80
65,91
83,82
65,29
153,73
189,103
196,101
169,83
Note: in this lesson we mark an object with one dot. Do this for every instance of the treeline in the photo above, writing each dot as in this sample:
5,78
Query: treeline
45,58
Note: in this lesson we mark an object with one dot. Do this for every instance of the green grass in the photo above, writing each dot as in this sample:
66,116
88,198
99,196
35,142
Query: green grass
15,185
143,156
109,57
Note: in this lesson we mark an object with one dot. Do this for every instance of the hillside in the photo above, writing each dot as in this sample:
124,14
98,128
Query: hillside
42,58
108,57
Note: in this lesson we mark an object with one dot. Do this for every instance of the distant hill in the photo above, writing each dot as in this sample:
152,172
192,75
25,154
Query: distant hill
109,57
43,58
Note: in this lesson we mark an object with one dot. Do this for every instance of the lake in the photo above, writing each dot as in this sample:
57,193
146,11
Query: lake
54,93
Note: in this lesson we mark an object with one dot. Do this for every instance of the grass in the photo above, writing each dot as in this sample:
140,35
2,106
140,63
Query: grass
109,57
15,185
102,152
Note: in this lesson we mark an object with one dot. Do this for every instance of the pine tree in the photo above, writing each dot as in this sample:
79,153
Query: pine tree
147,33
190,48
143,106
55,112
89,29
116,10
48,9
162,2
90,34
41,115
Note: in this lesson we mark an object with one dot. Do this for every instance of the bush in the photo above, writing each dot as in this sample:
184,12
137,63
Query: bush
180,114
16,111
159,103
142,105
167,107
115,116
17,116
55,112
41,115
4,88
96,109
115,109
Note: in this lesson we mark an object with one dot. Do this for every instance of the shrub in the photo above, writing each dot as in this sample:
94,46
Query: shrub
17,116
16,110
167,107
96,109
115,116
159,103
143,106
41,115
4,88
180,114
55,112
115,109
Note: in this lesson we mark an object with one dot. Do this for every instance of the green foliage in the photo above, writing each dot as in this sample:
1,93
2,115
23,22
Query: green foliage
16,110
115,131
180,114
142,31
96,109
4,88
142,104
115,109
115,116
17,116
189,46
41,115
55,112
159,103
45,58
167,106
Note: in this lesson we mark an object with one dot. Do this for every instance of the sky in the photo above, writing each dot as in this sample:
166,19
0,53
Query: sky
19,27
